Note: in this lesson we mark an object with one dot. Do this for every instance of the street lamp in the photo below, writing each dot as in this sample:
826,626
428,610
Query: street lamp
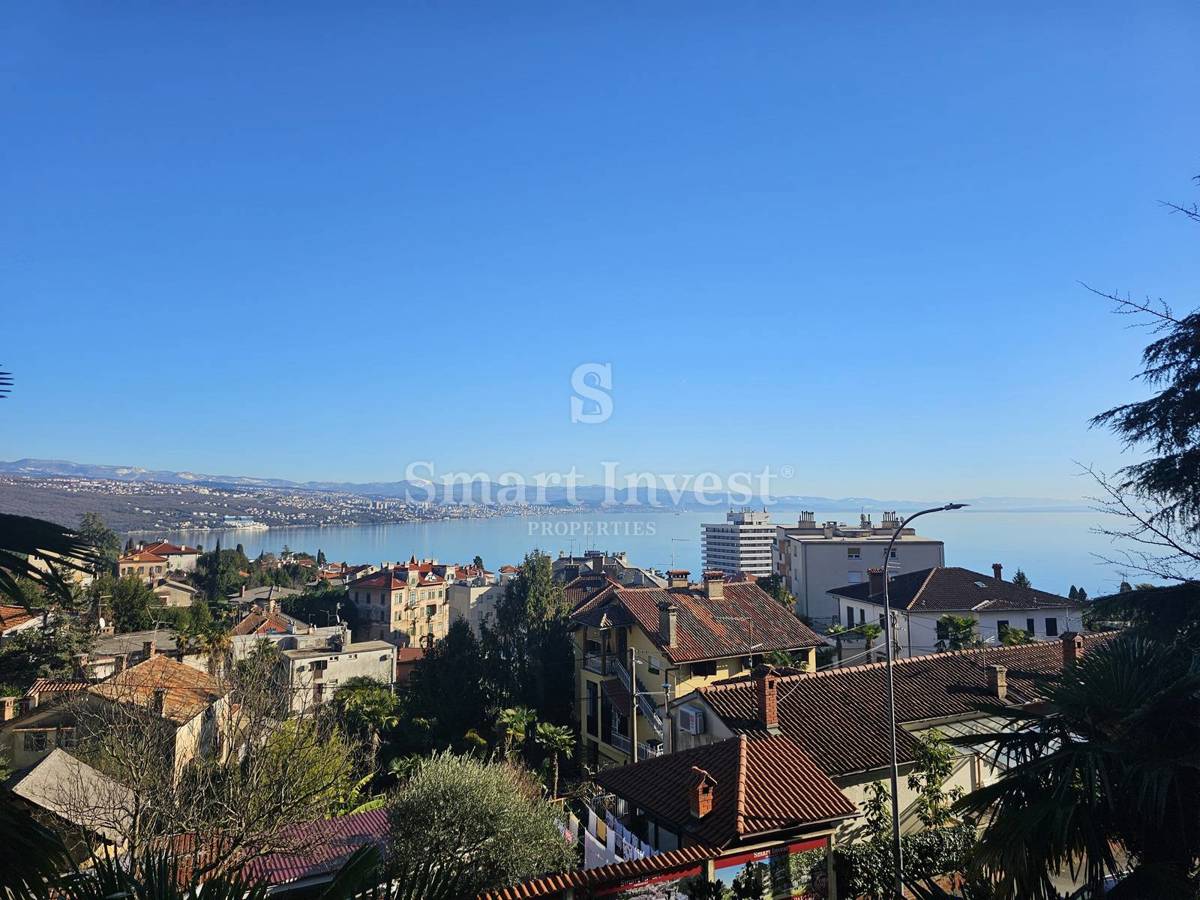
898,861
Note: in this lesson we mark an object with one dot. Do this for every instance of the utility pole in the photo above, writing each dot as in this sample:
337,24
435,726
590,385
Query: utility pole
633,709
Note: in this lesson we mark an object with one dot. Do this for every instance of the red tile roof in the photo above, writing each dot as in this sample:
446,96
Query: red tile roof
954,589
583,588
45,686
762,785
14,616
188,691
706,627
262,623
553,885
163,548
142,556
838,716
322,847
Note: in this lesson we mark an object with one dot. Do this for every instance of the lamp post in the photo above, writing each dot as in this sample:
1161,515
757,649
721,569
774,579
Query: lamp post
897,859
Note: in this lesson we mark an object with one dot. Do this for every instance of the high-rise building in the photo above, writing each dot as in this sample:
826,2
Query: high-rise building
741,545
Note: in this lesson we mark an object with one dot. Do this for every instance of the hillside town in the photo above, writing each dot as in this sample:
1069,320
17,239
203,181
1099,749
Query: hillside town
582,451
726,727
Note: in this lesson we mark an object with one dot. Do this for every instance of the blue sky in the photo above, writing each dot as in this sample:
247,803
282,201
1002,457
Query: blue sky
323,241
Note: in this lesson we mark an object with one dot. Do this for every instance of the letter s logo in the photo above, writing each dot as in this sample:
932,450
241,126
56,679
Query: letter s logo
596,390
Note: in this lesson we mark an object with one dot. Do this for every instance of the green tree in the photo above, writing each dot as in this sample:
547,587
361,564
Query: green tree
46,652
956,632
527,646
870,632
512,723
933,766
446,690
131,601
837,631
368,708
558,741
777,588
486,822
95,531
1021,580
478,561
1109,761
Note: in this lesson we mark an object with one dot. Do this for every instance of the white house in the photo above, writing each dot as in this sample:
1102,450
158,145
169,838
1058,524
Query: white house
920,599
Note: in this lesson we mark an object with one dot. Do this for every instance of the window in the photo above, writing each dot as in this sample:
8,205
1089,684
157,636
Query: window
704,668
653,665
1002,627
862,615
854,553
849,616
1051,627
35,741
1029,627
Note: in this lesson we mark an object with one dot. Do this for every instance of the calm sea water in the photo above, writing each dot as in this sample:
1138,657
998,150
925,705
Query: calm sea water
1056,549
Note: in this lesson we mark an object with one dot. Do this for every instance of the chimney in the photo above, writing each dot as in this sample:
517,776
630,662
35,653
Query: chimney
766,688
1072,648
8,708
120,663
997,569
668,620
32,700
998,682
148,649
702,793
160,700
242,591
677,578
714,584
875,577
827,529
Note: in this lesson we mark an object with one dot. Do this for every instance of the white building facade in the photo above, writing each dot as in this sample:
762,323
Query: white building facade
742,544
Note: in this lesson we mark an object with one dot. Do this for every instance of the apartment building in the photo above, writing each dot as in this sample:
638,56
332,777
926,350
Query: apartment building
742,544
815,558
408,603
664,642
314,672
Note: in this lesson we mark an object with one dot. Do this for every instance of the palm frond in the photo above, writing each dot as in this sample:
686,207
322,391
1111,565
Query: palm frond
24,539
6,382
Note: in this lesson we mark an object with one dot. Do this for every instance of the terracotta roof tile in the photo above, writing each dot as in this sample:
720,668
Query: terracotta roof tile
188,691
707,627
838,716
763,784
322,846
12,616
552,885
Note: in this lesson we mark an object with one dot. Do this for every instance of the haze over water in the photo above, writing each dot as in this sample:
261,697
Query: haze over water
1055,549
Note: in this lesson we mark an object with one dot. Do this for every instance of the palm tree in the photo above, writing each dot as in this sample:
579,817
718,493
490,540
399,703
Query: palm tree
513,722
837,631
956,632
557,740
1112,760
870,631
368,706
24,539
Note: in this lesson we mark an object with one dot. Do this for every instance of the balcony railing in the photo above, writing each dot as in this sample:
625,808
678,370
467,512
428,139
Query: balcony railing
646,704
621,742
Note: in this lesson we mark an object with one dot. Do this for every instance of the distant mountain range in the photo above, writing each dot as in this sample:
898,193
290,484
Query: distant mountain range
479,492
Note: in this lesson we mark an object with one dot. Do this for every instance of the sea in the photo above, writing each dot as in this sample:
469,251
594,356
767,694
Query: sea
1055,549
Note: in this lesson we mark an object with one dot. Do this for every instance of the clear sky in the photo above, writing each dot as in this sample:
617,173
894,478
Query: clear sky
325,240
